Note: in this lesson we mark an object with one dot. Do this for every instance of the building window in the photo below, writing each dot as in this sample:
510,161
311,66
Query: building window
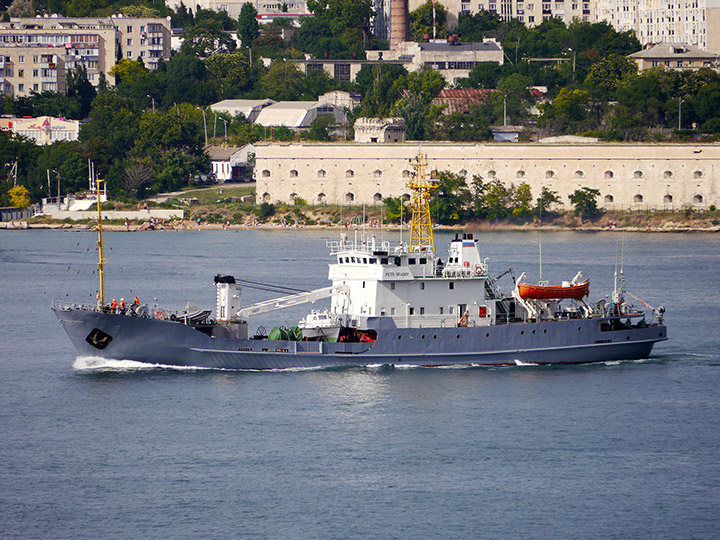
637,174
638,198
579,174
549,174
609,174
321,197
697,174
491,174
698,199
129,42
667,199
609,199
129,29
21,72
36,73
349,197
265,173
349,173
21,59
377,173
21,87
129,54
293,173
142,54
377,197
342,72
321,173
406,174
520,174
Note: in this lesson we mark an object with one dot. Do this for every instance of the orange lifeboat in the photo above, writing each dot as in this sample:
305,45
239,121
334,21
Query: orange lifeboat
544,292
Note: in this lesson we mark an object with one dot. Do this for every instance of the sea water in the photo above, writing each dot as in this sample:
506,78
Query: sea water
94,449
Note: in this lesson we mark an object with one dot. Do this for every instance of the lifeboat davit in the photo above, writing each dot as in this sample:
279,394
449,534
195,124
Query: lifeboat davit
543,292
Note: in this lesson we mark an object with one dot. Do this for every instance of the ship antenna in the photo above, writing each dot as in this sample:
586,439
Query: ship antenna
422,186
101,259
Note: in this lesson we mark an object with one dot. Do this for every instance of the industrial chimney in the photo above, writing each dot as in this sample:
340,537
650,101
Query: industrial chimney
399,23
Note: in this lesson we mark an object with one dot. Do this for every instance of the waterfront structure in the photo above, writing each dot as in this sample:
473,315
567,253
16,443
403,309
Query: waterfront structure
629,176
677,56
37,52
231,163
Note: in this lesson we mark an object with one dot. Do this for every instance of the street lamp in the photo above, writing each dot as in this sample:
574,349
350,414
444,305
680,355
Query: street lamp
573,53
680,112
153,102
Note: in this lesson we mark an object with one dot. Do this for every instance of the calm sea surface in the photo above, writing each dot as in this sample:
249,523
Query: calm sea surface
87,451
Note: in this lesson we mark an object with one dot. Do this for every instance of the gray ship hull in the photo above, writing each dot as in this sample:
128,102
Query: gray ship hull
172,343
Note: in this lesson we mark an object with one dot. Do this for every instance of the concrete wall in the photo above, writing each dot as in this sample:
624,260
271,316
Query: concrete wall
143,215
629,176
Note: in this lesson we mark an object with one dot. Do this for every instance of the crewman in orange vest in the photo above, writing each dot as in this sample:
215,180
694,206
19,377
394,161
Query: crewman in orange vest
113,305
136,302
122,305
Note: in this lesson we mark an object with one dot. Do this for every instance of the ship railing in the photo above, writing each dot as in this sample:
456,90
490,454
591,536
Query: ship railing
338,246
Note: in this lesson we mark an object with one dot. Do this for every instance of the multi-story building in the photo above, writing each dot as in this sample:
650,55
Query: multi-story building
37,52
679,57
265,9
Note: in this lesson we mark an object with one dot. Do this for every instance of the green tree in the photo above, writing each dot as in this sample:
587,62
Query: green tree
381,86
604,77
283,81
342,14
483,75
230,72
585,202
320,128
546,199
80,88
248,27
421,21
450,200
126,70
522,207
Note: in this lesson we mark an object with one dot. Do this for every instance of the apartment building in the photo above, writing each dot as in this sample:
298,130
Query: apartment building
264,8
37,52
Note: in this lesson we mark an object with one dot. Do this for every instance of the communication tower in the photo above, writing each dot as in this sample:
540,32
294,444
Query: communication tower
422,186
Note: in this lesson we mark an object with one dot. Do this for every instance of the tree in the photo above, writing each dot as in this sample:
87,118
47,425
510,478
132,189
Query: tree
421,21
126,70
342,14
320,128
450,200
283,81
80,88
546,198
248,27
585,202
483,75
136,174
19,197
604,77
230,72
523,201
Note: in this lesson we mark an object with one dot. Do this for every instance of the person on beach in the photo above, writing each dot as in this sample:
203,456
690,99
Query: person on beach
127,224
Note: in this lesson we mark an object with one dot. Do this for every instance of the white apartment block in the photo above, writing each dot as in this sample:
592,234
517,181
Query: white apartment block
264,8
694,22
37,52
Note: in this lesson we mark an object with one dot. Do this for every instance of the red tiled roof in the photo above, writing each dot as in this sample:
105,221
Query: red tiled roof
460,99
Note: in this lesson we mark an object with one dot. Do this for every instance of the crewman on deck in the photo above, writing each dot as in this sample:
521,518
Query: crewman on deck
136,302
122,305
113,305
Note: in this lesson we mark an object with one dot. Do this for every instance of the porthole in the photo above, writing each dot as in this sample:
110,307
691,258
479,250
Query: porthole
545,331
522,332
487,334
435,336
533,331
458,336
422,337
579,328
399,337
627,338
661,334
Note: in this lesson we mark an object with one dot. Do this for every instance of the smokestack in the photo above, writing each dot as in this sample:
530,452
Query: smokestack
399,22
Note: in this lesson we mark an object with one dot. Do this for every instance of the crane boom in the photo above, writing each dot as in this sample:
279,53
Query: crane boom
291,300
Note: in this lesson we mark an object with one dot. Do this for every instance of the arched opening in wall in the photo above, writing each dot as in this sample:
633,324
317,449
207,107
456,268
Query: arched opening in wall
549,174
668,199
322,198
609,174
667,174
579,174
520,174
265,173
462,172
492,174
638,198
293,173
266,197
609,199
349,173
377,173
698,199
349,197
697,174
406,174
292,198
377,198
405,197
321,173
637,174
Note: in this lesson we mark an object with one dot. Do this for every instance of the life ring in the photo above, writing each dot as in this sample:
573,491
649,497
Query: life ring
463,321
478,269
159,314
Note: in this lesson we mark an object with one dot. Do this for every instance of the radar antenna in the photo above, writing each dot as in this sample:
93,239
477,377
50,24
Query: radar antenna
422,186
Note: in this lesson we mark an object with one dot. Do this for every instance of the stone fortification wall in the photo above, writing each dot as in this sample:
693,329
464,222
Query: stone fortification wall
629,176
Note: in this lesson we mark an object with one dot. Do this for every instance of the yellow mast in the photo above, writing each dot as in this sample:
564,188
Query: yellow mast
421,231
101,259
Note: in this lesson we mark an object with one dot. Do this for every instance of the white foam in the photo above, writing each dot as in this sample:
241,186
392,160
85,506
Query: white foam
521,363
96,363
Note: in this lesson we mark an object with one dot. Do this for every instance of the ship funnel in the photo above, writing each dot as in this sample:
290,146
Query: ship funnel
228,301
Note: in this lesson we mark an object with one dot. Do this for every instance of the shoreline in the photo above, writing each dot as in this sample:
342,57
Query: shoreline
471,227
